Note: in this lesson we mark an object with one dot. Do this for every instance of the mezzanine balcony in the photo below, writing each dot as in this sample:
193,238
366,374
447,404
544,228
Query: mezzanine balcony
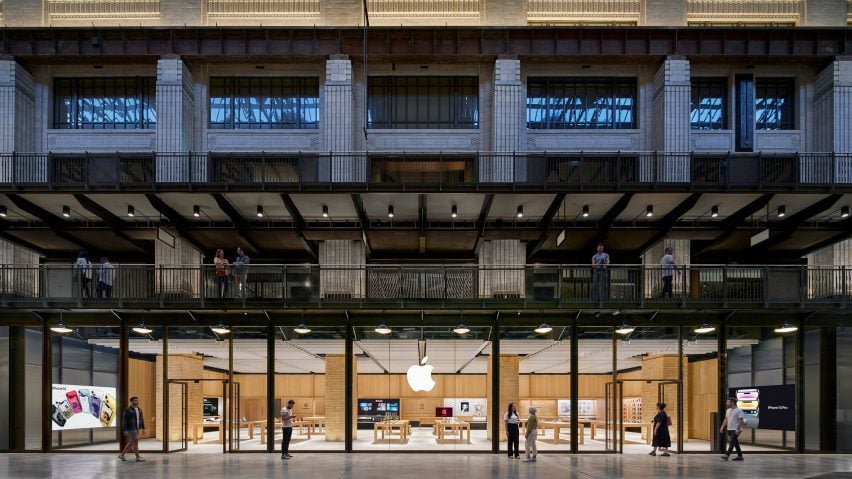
396,171
429,286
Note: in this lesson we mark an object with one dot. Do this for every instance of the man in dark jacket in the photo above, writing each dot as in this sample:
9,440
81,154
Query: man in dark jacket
131,423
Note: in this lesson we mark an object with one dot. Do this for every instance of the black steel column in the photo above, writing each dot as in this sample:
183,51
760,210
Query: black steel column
828,389
575,385
17,398
349,375
46,388
231,398
679,389
270,388
165,433
495,387
123,380
800,389
722,383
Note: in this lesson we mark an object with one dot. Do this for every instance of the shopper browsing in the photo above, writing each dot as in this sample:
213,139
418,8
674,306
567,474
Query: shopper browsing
287,429
733,424
131,423
512,421
530,436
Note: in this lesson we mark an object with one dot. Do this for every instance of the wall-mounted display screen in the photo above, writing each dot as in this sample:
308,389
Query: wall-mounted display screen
82,407
767,407
373,407
443,412
211,406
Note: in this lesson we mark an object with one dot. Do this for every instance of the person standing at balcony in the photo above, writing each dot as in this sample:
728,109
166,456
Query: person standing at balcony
241,272
531,436
667,264
105,276
600,274
221,264
83,273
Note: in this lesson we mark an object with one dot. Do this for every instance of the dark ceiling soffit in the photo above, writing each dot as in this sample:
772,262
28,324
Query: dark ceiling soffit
364,220
181,225
53,222
481,220
734,221
668,221
657,42
608,219
241,226
299,225
114,223
846,232
545,223
789,226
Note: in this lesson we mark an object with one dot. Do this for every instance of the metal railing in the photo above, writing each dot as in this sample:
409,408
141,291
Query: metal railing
461,171
743,10
263,8
596,11
82,9
421,8
400,285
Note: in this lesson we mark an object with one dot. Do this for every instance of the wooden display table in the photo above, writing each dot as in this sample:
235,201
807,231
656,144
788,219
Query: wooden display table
313,424
261,423
646,428
441,426
388,427
557,427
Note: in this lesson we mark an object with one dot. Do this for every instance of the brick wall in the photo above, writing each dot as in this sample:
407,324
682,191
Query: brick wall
664,366
335,394
180,367
510,391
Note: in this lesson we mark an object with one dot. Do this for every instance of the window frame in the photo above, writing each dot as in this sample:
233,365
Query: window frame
70,95
392,97
776,84
586,86
238,91
697,84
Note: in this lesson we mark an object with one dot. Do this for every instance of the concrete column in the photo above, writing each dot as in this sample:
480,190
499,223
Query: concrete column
17,108
823,13
663,13
339,275
335,395
664,366
510,391
181,366
832,122
175,122
503,12
336,123
508,124
671,106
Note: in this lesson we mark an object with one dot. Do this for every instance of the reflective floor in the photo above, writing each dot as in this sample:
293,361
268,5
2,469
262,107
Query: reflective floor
404,466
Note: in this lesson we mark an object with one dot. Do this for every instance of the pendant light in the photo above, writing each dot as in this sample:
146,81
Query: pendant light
704,329
543,328
787,328
302,328
383,329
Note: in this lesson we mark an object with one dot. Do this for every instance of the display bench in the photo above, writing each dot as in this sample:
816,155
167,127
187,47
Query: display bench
387,428
453,426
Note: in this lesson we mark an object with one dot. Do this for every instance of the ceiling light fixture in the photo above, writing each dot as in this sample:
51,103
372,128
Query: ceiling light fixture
66,211
131,211
520,212
649,211
220,328
260,211
390,211
714,211
543,328
302,329
454,211
383,329
844,212
325,211
624,330
142,329
782,211
704,329
786,328
3,212
61,329
461,329
585,211
196,211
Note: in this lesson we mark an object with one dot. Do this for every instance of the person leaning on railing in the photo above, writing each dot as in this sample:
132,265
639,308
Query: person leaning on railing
221,264
600,274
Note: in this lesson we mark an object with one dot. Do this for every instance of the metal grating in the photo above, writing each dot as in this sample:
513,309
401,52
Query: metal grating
423,8
263,8
584,11
86,9
739,11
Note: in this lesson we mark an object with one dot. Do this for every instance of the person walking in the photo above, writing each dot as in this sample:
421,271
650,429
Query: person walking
287,429
221,264
667,265
132,422
83,272
105,276
600,274
513,434
662,439
241,272
733,424
531,436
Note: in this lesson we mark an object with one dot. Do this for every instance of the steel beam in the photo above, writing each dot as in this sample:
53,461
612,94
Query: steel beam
299,225
114,223
734,221
668,221
241,225
181,224
544,224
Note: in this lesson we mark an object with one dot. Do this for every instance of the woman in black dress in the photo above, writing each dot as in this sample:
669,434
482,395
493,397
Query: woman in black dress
662,439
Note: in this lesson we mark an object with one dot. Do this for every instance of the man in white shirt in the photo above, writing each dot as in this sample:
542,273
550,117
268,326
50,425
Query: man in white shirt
667,266
733,423
287,428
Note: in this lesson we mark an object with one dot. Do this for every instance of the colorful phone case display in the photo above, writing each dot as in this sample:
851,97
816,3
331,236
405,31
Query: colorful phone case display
82,407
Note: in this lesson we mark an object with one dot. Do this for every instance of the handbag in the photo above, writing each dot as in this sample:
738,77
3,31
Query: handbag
668,420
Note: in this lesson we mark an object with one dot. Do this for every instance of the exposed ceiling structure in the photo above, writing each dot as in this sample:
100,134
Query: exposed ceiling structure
277,228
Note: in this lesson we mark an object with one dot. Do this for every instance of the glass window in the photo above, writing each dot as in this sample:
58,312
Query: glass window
127,103
709,107
423,102
773,104
254,103
581,103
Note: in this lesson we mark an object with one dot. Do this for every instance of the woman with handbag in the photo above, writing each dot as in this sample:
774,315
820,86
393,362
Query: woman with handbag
661,440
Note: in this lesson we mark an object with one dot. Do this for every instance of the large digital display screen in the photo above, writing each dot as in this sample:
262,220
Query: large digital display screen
767,407
377,407
82,407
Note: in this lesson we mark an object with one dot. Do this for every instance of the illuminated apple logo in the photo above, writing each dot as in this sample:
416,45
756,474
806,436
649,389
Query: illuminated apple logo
420,377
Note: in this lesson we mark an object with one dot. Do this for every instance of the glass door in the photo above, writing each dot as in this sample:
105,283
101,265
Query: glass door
178,433
237,422
613,419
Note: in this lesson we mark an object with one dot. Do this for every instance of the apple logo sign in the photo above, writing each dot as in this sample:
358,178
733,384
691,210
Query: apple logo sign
420,377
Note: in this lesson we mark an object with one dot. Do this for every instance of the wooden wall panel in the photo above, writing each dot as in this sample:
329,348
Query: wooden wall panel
142,383
211,388
555,386
703,378
414,409
251,385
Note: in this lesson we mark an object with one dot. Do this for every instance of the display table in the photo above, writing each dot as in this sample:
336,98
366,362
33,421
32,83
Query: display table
441,426
312,424
557,427
261,423
646,428
387,427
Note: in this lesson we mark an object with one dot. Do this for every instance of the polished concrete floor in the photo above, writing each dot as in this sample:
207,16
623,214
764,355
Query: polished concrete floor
403,466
